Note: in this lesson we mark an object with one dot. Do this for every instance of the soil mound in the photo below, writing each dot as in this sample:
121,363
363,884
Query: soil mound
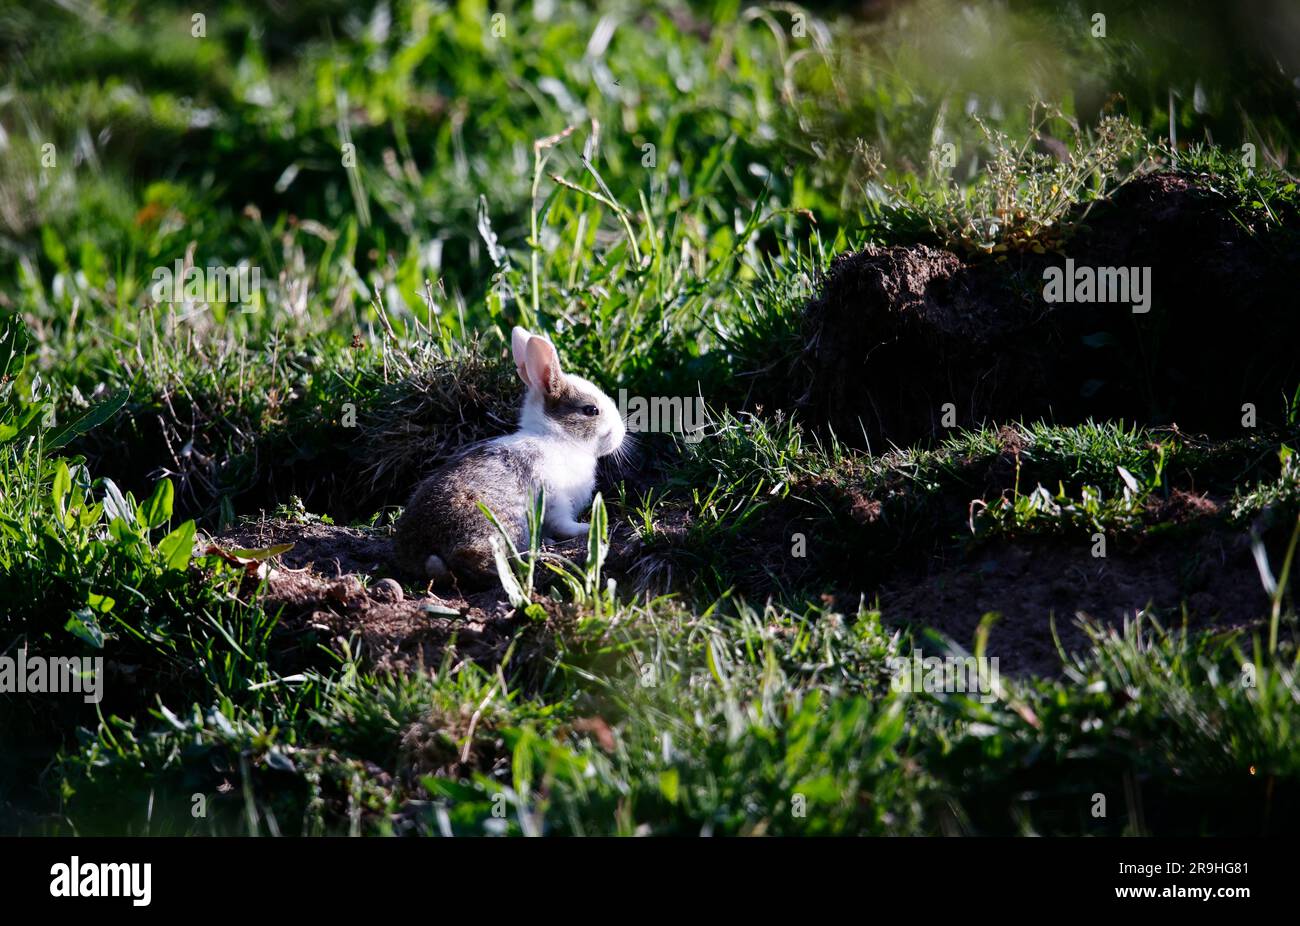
1211,578
896,334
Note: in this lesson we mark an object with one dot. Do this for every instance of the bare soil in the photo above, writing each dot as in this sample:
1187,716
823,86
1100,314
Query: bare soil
329,587
1029,584
338,583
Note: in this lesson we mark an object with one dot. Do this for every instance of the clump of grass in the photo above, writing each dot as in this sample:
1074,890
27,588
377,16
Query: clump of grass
1016,511
432,403
1023,199
1261,193
1279,496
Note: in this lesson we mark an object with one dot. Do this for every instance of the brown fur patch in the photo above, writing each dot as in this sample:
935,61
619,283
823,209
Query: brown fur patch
566,407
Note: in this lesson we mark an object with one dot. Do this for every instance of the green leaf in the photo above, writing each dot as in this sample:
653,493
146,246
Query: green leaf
1129,480
115,506
13,349
669,784
452,790
279,761
11,527
714,661
514,591
157,508
84,626
263,553
177,547
597,546
93,417
90,514
21,421
222,723
60,489
171,717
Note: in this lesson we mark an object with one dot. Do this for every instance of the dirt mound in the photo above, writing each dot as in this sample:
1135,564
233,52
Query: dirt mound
1028,584
895,334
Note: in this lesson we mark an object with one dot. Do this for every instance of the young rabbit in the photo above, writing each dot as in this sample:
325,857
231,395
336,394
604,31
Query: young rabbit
565,424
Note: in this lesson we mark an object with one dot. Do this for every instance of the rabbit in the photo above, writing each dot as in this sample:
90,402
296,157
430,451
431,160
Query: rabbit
565,424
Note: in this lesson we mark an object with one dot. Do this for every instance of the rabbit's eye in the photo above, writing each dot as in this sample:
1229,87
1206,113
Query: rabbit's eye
590,411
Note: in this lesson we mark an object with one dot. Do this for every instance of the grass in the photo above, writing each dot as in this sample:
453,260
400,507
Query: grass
1027,200
660,189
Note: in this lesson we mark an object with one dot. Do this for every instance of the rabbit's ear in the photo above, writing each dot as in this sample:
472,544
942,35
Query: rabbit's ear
542,365
519,344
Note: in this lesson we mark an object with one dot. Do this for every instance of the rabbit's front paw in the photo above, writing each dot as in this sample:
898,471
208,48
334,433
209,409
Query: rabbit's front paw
573,529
